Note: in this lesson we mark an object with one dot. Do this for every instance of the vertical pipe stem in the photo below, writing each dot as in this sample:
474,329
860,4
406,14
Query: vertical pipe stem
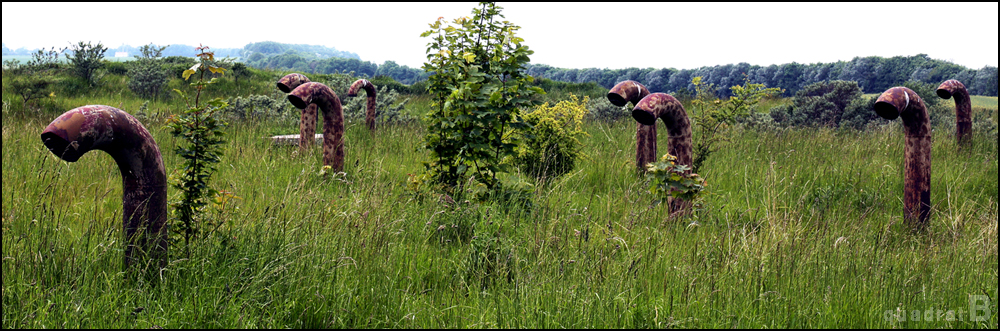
904,103
333,119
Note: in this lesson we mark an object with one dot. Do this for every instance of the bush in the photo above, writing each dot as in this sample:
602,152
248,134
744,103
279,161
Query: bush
550,148
860,114
256,107
86,60
603,110
388,108
819,104
116,68
147,78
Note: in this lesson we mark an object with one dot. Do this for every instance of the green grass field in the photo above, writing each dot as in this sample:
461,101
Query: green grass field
801,228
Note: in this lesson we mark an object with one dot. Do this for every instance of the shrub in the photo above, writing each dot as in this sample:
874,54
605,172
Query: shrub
602,109
86,60
256,107
550,148
147,78
819,104
388,109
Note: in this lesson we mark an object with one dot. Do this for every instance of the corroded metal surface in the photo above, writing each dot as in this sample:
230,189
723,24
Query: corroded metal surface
645,135
144,179
371,92
904,103
307,125
667,108
963,110
333,119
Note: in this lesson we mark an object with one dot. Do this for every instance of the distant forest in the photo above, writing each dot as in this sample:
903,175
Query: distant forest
874,74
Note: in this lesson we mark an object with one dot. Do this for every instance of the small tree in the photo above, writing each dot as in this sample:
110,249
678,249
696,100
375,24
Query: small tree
146,74
478,88
86,59
714,117
200,127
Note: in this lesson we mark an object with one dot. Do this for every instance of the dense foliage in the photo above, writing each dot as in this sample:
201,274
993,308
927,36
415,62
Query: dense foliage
874,74
478,88
86,59
147,77
551,146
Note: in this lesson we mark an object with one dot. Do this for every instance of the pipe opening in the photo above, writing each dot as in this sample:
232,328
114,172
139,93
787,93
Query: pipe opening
284,88
886,110
60,147
944,94
297,102
643,117
617,99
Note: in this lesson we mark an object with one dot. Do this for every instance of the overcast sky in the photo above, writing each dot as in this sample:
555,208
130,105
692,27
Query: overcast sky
566,35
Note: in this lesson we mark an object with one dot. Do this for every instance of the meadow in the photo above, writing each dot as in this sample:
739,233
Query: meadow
799,228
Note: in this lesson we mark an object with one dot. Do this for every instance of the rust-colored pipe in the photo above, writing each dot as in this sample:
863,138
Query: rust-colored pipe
963,110
371,92
904,103
333,119
675,118
144,180
645,135
307,125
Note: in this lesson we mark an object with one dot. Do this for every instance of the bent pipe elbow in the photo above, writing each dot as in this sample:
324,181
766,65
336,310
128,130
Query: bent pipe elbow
371,93
627,91
307,124
144,180
645,135
963,109
905,104
667,108
333,119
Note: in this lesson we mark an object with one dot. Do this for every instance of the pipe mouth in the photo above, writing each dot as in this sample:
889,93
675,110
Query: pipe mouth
944,93
643,117
297,102
60,147
284,88
886,110
617,100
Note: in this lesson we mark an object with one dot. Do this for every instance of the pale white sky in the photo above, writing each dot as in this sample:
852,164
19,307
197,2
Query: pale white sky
566,35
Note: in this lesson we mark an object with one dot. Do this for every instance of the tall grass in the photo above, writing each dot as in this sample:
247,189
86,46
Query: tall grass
800,228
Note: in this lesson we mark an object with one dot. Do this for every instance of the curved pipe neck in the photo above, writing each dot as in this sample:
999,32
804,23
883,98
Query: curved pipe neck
627,91
663,106
904,103
963,108
307,124
144,179
371,94
291,81
333,119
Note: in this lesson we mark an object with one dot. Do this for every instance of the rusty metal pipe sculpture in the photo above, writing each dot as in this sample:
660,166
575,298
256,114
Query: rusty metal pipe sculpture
904,103
645,135
144,180
675,118
371,92
333,119
963,110
307,125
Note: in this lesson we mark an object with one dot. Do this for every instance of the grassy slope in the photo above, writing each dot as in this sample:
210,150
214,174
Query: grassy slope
801,229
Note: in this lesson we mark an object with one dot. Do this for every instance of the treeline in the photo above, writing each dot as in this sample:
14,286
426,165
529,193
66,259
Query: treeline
874,74
171,50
